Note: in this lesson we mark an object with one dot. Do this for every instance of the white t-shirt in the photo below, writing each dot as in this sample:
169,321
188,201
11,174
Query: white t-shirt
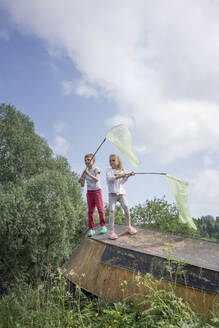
91,184
115,186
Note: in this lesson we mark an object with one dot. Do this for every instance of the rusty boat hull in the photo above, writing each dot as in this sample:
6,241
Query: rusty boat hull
189,265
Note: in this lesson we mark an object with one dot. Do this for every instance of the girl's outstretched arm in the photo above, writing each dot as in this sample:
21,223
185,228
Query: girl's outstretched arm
125,175
119,176
130,174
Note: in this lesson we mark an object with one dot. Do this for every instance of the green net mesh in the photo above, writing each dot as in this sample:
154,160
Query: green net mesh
120,136
180,191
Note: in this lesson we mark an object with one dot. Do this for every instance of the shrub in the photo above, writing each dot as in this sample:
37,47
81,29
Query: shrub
42,213
160,215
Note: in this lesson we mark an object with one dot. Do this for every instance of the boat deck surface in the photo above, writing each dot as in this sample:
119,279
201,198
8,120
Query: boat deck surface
194,251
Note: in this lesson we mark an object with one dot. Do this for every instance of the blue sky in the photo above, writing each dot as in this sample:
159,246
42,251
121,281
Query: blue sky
77,68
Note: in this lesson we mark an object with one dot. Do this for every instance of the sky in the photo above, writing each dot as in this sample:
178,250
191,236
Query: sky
79,67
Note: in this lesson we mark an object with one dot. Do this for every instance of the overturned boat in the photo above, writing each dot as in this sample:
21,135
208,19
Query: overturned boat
189,265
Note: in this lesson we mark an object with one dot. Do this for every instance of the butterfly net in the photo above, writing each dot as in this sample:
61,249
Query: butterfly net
121,137
180,191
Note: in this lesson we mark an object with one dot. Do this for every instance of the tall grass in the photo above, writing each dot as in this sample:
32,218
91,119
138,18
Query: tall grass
55,307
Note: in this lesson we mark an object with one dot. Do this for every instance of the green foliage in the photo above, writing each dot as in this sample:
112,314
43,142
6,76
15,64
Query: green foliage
158,214
164,308
54,308
42,213
27,307
209,227
22,152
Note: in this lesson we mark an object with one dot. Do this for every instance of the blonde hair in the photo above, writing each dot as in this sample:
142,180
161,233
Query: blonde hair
118,161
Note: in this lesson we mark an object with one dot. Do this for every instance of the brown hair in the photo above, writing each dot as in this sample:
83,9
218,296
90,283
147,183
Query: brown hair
118,161
90,155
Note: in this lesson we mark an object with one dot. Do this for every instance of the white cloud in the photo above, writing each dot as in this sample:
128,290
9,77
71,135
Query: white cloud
207,160
82,88
163,73
157,60
59,127
79,87
67,87
61,146
141,149
207,184
119,119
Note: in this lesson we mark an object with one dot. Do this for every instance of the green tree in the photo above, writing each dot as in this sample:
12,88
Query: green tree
42,213
22,152
217,229
209,227
160,215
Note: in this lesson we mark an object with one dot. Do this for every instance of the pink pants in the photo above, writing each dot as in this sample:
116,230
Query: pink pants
94,199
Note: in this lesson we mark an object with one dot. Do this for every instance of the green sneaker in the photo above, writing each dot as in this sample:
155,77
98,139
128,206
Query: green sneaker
90,233
103,230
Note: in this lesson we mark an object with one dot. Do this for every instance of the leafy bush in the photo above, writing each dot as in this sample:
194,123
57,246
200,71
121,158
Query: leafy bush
23,153
42,213
209,227
160,215
39,307
164,308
